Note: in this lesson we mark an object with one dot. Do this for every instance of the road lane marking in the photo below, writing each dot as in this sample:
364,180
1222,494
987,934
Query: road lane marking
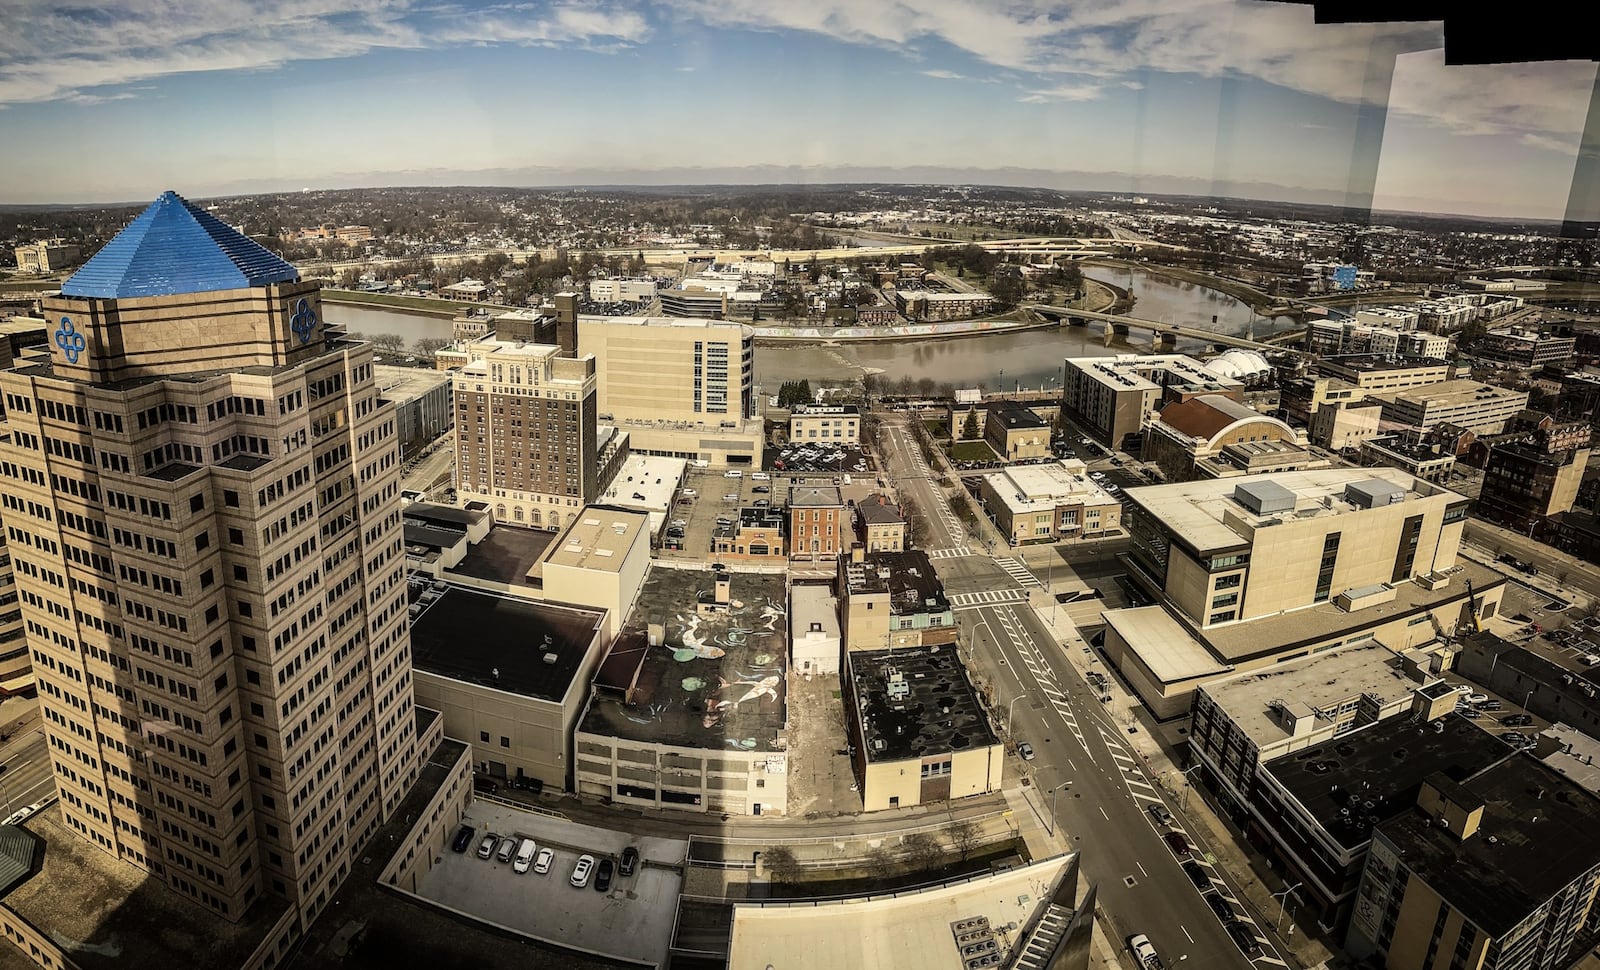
1141,868
1185,932
1103,813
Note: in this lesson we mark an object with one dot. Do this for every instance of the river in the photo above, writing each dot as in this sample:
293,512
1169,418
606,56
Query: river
1026,358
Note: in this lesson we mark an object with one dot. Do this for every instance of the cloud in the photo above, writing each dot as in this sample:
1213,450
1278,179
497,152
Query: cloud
1056,46
61,53
945,75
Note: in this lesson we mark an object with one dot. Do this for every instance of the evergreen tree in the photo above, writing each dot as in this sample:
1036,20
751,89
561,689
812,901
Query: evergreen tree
969,427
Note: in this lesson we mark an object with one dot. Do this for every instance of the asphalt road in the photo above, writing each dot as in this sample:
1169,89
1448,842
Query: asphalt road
1082,769
26,777
1104,790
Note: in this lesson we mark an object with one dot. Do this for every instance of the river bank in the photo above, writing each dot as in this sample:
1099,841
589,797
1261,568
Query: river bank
1256,299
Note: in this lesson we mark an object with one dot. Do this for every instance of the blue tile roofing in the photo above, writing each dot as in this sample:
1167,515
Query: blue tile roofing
176,247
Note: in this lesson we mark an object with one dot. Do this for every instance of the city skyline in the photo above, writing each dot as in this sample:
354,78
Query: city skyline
1221,98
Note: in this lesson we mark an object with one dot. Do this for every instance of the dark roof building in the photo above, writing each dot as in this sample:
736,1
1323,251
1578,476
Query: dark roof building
1501,867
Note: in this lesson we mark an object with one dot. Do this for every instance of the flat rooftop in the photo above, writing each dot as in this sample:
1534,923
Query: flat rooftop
1126,372
1577,755
1377,362
110,915
1543,833
1163,644
715,680
693,323
1204,514
1015,415
915,703
404,383
1323,680
908,577
912,928
505,555
515,645
813,603
645,482
1452,393
446,516
598,539
1353,783
1315,624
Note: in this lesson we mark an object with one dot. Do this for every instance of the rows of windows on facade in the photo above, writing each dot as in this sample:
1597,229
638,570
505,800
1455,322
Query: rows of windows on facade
201,505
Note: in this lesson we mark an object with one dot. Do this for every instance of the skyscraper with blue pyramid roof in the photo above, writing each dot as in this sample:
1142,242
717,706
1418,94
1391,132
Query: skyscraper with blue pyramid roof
209,558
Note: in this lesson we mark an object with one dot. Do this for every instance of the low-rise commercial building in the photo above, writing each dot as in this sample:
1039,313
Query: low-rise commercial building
1227,562
1314,812
757,535
694,301
622,290
816,645
1527,481
1188,438
423,409
1049,502
1343,426
647,484
893,600
829,424
1429,461
920,735
879,525
1303,397
688,709
1524,347
933,306
1478,407
515,687
819,523
1015,433
1385,372
599,562
46,256
1548,683
1110,397
1497,870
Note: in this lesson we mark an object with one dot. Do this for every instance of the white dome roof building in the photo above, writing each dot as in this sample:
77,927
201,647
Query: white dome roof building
1241,365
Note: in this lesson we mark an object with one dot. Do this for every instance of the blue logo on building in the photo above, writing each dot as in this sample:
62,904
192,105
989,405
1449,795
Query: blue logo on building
303,322
69,340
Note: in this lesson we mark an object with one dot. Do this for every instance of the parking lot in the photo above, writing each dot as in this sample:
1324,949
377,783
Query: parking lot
819,458
708,495
632,921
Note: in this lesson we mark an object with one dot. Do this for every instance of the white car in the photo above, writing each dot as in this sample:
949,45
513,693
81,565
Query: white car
1144,953
733,473
582,871
1463,688
541,865
690,493
524,859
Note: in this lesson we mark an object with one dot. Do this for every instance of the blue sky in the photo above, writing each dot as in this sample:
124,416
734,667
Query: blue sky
1226,96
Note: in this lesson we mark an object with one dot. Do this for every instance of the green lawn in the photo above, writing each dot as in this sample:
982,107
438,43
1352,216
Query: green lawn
971,451
450,307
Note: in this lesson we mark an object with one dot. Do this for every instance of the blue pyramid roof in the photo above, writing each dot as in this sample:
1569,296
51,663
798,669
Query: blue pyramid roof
176,247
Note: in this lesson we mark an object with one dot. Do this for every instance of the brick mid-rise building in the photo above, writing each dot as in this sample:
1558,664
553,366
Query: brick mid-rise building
201,501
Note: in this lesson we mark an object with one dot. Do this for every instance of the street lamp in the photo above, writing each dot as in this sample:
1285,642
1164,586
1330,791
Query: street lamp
1053,792
1012,706
1283,898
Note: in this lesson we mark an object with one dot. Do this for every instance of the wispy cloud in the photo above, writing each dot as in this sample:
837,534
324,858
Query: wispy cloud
58,53
945,75
1062,92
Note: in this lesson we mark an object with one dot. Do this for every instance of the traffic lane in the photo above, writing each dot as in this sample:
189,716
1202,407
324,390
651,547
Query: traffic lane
912,473
1136,870
1085,700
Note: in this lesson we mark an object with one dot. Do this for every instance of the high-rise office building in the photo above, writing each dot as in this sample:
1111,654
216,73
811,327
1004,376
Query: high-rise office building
201,502
527,442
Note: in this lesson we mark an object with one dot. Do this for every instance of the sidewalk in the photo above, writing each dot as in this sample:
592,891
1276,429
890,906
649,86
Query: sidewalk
1162,751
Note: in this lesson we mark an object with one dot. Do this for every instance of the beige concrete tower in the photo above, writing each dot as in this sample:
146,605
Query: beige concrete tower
205,529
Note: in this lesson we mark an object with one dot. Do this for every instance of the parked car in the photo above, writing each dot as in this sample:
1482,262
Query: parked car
486,847
1177,843
733,473
1245,936
1490,706
761,489
602,875
690,493
524,859
1220,906
485,786
541,865
1025,750
508,849
582,870
1144,953
1160,815
463,839
1197,874
630,861
1517,720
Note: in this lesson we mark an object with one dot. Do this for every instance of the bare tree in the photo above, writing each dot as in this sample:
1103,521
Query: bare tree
877,863
923,850
428,346
781,864
964,834
391,342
